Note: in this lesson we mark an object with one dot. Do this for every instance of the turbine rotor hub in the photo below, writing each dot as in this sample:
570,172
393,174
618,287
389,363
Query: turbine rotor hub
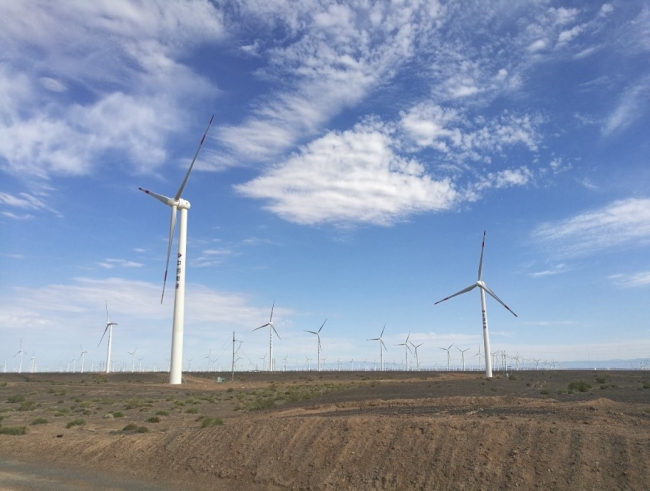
183,204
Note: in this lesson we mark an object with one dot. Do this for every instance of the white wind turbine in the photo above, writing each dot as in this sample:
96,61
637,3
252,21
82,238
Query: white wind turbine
33,360
382,347
447,350
271,331
132,353
406,350
483,288
462,355
415,349
177,203
109,328
83,358
21,351
317,333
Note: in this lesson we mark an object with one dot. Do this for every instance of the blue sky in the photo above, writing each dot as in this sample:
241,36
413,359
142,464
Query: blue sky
357,154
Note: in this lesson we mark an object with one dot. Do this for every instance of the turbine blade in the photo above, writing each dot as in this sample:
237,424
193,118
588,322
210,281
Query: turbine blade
276,332
322,325
382,331
493,295
381,341
159,197
450,346
272,307
313,332
100,341
469,288
480,263
196,154
374,339
265,325
107,319
172,228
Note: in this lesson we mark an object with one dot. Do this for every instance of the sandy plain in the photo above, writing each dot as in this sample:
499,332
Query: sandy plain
326,430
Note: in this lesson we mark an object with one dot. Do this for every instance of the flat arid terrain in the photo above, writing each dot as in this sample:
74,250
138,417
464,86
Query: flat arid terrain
578,430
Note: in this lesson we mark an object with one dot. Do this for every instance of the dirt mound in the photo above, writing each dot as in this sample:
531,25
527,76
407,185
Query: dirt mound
330,441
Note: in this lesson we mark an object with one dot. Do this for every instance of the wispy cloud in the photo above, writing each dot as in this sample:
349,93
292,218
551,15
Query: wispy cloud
636,280
557,269
624,223
121,263
632,104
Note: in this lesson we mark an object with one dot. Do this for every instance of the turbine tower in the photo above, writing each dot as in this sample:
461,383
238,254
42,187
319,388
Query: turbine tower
483,288
271,331
177,203
83,358
21,351
415,349
447,350
382,347
462,355
109,328
317,333
132,353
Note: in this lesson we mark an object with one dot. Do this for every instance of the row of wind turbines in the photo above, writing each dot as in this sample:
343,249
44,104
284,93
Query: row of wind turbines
177,203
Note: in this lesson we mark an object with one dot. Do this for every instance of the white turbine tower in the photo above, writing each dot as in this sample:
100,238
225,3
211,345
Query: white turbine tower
33,360
271,331
177,203
415,349
132,353
483,288
462,354
109,328
317,333
382,347
406,350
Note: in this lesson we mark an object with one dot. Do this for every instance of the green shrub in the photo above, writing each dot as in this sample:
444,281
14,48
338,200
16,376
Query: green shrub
142,429
117,414
211,422
601,380
153,419
579,385
162,413
76,422
16,398
27,406
192,410
545,392
130,427
39,421
13,430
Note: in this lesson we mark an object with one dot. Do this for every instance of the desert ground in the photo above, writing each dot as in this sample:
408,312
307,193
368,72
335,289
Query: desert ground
579,430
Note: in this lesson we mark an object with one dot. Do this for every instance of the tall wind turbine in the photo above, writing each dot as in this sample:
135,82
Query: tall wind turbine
177,203
109,328
317,333
382,347
406,350
415,349
483,288
462,355
83,358
132,353
271,331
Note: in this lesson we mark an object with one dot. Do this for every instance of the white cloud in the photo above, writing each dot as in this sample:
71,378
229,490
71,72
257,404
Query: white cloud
624,223
632,104
123,263
350,177
637,280
13,216
24,200
557,269
53,84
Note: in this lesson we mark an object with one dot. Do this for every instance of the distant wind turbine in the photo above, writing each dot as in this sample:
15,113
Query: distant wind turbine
382,347
132,353
177,203
33,360
447,350
483,288
21,351
415,349
406,350
83,358
109,328
317,333
271,331
462,355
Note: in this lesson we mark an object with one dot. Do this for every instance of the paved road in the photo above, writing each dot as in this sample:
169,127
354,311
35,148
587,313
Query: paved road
22,476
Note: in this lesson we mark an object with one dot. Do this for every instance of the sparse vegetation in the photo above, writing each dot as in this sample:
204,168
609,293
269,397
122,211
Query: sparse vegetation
117,414
153,419
27,406
16,398
76,422
39,421
162,413
192,410
13,430
579,385
207,422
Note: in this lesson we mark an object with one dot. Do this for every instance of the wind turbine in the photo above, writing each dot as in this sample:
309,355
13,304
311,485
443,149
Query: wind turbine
177,203
83,358
381,345
109,328
21,351
317,333
406,350
462,355
33,360
415,349
447,350
271,331
483,288
132,353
